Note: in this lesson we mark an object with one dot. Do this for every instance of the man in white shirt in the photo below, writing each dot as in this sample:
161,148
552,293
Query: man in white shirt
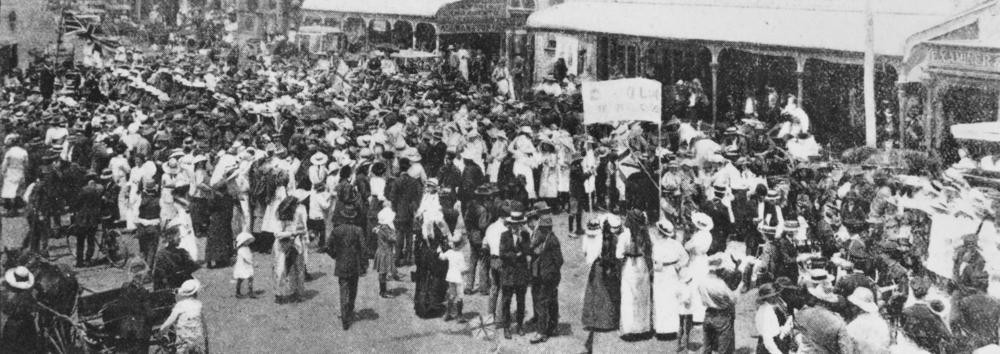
491,243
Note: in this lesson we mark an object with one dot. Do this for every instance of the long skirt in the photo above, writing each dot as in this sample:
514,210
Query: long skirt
666,303
431,288
635,297
219,246
200,213
602,297
289,268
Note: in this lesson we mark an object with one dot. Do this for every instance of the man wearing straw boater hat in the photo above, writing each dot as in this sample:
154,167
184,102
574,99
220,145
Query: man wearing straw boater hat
477,218
514,272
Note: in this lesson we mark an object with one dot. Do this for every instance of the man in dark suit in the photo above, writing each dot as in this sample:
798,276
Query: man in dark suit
514,273
405,194
922,324
546,263
472,178
722,217
854,279
348,248
975,319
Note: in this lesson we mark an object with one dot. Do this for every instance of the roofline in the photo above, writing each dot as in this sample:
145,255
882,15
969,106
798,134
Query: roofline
955,22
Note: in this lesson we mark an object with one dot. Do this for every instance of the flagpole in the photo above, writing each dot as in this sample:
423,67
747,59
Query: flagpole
59,36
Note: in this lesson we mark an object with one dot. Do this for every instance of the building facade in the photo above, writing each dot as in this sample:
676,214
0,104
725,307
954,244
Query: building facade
26,26
740,48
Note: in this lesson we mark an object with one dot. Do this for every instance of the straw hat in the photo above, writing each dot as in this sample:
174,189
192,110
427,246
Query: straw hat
319,159
863,298
666,228
20,278
767,291
614,222
702,221
243,238
386,216
517,217
593,228
189,288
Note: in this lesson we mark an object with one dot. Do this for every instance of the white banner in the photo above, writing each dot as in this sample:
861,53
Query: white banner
622,100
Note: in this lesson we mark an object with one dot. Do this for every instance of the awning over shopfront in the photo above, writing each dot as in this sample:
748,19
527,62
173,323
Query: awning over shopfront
822,29
419,8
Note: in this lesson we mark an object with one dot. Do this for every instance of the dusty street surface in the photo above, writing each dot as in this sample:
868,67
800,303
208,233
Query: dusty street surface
386,325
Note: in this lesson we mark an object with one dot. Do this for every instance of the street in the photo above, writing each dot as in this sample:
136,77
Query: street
384,325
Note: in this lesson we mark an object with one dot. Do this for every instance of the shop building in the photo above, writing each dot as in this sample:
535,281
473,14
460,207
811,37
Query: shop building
812,49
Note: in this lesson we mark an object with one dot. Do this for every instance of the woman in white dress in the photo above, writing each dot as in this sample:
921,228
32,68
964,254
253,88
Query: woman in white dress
693,311
634,251
525,159
182,219
668,256
15,164
498,152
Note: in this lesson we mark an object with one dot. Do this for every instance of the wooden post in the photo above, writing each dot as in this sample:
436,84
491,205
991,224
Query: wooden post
800,70
869,75
715,51
901,113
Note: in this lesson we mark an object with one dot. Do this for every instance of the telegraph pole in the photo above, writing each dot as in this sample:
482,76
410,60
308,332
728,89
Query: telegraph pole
869,73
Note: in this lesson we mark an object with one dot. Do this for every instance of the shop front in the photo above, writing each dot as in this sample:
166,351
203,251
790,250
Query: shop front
495,27
963,87
952,77
781,47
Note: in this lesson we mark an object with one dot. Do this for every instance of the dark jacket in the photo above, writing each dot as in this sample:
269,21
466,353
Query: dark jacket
514,259
847,284
477,218
547,259
976,320
347,246
405,197
925,328
88,208
472,178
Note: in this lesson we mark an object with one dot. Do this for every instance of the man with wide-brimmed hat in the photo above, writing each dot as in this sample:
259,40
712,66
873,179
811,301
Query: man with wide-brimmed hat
477,218
546,264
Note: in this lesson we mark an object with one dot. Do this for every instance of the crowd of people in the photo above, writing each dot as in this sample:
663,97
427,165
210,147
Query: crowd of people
293,155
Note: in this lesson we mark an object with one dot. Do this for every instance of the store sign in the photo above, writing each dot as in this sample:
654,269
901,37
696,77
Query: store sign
477,16
966,58
622,100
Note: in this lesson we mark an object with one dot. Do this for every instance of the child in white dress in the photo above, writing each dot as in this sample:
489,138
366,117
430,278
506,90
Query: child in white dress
243,268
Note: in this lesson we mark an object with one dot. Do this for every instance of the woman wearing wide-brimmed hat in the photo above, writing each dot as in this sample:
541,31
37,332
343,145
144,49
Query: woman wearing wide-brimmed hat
668,256
773,321
289,253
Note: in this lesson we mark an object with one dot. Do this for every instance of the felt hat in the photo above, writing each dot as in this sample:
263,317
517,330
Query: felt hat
864,299
189,288
319,159
541,207
785,283
19,278
545,221
767,291
702,221
243,238
484,190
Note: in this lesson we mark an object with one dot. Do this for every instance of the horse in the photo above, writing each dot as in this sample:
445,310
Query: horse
55,293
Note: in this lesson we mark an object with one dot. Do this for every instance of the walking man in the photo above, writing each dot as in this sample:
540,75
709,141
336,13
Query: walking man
347,247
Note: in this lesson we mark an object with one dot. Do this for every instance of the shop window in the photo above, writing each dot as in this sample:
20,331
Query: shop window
332,22
556,2
631,61
12,21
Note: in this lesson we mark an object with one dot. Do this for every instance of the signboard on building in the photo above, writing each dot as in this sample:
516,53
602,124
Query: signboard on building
622,100
965,58
477,16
